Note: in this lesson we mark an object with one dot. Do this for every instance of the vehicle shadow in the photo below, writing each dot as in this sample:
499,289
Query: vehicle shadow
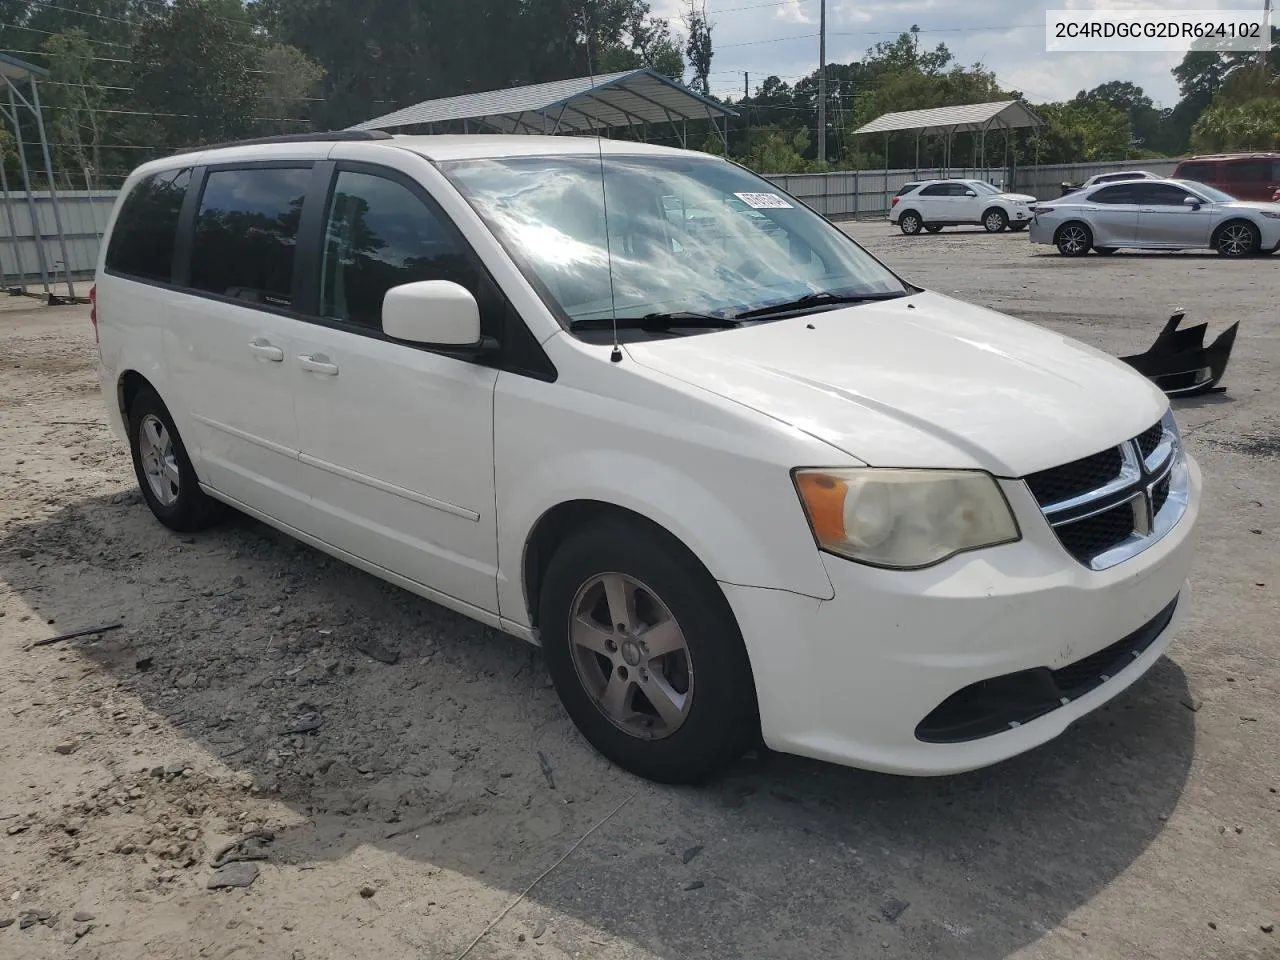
458,756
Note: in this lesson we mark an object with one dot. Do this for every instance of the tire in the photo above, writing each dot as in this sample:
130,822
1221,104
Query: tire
933,227
1018,227
1237,238
716,717
909,222
1073,239
165,476
995,220
1105,251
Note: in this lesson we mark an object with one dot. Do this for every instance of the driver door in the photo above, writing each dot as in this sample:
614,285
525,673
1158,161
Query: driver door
966,203
1165,218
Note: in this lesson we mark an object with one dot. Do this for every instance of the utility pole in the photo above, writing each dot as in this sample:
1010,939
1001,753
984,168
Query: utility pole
746,85
822,83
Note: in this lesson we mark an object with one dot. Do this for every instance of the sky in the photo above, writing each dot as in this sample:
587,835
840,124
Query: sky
780,37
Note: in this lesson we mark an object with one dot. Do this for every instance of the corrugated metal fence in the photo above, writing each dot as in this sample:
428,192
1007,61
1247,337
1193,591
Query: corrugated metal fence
866,193
853,193
26,261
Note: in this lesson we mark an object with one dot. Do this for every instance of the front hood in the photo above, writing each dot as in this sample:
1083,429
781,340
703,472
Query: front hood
922,381
1019,197
1257,205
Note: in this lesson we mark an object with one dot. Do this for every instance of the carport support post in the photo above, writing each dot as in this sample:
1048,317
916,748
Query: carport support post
13,229
53,190
885,199
917,170
26,184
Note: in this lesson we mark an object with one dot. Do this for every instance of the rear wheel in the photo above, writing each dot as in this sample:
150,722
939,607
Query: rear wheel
645,653
1237,238
995,220
909,222
165,475
933,227
1073,239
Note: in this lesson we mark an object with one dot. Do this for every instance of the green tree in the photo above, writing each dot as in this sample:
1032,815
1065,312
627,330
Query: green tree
1252,125
74,98
288,79
195,70
698,44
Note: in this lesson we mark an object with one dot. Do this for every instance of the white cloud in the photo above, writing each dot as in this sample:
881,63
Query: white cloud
1006,35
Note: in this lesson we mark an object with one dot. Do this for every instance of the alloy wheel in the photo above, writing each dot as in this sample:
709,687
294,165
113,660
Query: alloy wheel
1073,240
1236,240
631,656
159,463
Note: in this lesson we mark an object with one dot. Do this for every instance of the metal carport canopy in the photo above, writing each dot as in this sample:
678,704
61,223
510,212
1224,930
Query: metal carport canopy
969,118
630,98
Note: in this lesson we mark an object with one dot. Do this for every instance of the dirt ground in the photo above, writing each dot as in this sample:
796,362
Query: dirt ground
410,804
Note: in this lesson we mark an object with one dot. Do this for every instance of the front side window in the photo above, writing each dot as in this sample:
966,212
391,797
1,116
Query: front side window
247,233
143,238
379,235
1158,194
736,244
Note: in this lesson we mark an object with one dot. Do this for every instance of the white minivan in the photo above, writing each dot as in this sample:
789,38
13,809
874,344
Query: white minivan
740,481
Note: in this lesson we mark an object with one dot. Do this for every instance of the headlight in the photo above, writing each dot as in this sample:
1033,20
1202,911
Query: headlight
904,518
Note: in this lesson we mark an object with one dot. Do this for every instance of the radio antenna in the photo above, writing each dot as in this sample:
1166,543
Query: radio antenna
616,355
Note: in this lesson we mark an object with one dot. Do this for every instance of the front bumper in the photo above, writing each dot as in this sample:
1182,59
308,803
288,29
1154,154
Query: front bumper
851,679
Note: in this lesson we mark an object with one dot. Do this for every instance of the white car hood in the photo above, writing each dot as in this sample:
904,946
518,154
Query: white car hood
922,381
1019,197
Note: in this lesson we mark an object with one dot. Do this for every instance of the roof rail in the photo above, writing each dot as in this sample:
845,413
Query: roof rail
332,136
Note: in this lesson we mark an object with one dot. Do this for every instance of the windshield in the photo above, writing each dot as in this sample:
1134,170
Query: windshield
1208,192
686,234
981,186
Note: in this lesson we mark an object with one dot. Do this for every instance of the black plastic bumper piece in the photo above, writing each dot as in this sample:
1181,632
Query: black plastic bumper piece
1001,703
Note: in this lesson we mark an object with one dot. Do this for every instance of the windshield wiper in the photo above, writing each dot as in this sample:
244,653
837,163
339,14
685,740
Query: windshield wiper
656,321
821,298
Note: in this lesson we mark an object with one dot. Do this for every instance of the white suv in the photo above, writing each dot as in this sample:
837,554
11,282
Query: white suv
934,204
736,478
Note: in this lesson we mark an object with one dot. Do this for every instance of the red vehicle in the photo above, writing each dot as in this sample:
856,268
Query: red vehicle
1246,176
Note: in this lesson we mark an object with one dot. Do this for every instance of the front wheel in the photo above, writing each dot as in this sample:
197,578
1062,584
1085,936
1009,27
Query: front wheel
910,223
995,220
1237,239
1073,239
645,653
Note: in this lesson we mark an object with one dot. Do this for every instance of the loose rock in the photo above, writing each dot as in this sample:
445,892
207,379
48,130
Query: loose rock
1268,928
539,930
367,892
691,853
82,917
696,885
893,908
233,875
6,922
65,748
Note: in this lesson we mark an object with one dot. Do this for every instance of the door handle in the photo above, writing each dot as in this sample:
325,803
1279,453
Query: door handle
319,363
266,351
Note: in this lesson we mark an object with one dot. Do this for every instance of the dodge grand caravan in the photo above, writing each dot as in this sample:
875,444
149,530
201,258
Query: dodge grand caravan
738,479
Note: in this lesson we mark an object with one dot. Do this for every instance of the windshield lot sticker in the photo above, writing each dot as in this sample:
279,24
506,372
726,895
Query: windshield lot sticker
763,201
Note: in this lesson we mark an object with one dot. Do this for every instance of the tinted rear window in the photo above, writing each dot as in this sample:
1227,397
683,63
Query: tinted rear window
1196,170
906,188
247,233
143,238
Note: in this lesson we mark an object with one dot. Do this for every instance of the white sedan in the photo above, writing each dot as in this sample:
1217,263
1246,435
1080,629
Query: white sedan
1157,215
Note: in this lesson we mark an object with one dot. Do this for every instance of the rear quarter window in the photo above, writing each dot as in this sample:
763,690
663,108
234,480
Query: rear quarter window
142,239
906,188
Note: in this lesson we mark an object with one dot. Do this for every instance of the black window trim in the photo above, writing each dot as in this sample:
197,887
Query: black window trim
512,356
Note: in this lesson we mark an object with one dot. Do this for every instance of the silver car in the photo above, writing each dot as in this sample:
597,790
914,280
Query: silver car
1156,215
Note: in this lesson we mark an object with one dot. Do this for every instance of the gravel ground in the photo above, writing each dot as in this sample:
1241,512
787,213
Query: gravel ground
403,807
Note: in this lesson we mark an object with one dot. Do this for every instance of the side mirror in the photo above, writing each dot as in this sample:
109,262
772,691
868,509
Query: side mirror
970,193
1193,202
434,312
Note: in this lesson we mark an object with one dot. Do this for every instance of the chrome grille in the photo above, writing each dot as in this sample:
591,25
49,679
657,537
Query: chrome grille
1108,506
